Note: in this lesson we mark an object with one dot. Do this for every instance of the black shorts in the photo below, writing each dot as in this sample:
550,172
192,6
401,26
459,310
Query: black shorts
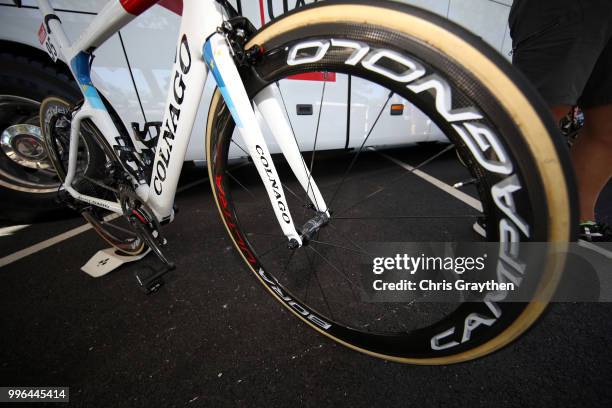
564,47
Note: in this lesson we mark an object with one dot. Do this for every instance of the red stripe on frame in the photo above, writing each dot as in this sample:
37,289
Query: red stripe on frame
315,76
175,6
42,34
261,13
137,7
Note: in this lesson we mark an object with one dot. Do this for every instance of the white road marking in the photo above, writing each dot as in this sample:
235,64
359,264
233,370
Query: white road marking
595,248
9,259
471,201
466,198
6,231
14,257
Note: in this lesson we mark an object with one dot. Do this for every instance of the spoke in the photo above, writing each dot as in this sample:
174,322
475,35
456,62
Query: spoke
435,156
314,147
429,160
324,296
295,139
398,178
239,183
350,241
241,148
309,278
288,262
307,289
398,217
339,246
348,170
262,233
300,199
108,224
319,284
293,193
343,274
331,264
272,249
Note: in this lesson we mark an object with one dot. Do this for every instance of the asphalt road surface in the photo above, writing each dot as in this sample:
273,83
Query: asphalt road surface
213,337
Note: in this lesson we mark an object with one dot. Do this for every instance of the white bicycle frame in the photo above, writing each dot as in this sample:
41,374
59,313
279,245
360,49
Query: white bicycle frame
200,49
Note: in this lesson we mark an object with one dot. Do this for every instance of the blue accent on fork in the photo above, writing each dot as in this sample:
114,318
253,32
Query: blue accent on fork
82,70
210,61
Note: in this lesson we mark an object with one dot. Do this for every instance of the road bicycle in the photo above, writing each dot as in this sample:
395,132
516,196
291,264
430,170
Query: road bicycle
300,214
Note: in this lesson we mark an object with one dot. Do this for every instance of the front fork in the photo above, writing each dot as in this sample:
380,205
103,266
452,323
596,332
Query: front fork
218,57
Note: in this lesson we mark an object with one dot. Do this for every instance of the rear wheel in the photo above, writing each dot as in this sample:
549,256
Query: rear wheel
484,109
28,184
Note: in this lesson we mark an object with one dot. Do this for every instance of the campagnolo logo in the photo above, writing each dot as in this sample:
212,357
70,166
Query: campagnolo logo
173,115
482,141
273,182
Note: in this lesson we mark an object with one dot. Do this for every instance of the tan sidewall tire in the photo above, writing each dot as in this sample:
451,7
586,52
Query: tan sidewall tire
508,94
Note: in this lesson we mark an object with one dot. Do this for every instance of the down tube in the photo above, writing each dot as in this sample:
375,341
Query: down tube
200,19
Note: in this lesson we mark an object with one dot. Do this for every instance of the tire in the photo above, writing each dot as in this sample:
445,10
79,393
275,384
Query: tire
478,78
28,194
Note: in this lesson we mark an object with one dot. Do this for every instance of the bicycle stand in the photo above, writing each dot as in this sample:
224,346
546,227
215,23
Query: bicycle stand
107,260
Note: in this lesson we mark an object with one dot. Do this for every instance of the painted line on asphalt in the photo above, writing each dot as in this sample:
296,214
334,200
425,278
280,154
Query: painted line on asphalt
458,194
595,248
16,256
9,259
6,231
471,201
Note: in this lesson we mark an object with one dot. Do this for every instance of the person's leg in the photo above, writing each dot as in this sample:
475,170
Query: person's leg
564,47
592,151
592,158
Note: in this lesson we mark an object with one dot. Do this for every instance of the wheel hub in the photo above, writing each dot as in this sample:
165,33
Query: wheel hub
312,226
23,144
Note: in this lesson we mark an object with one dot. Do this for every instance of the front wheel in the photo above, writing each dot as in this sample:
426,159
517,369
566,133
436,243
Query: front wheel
495,122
